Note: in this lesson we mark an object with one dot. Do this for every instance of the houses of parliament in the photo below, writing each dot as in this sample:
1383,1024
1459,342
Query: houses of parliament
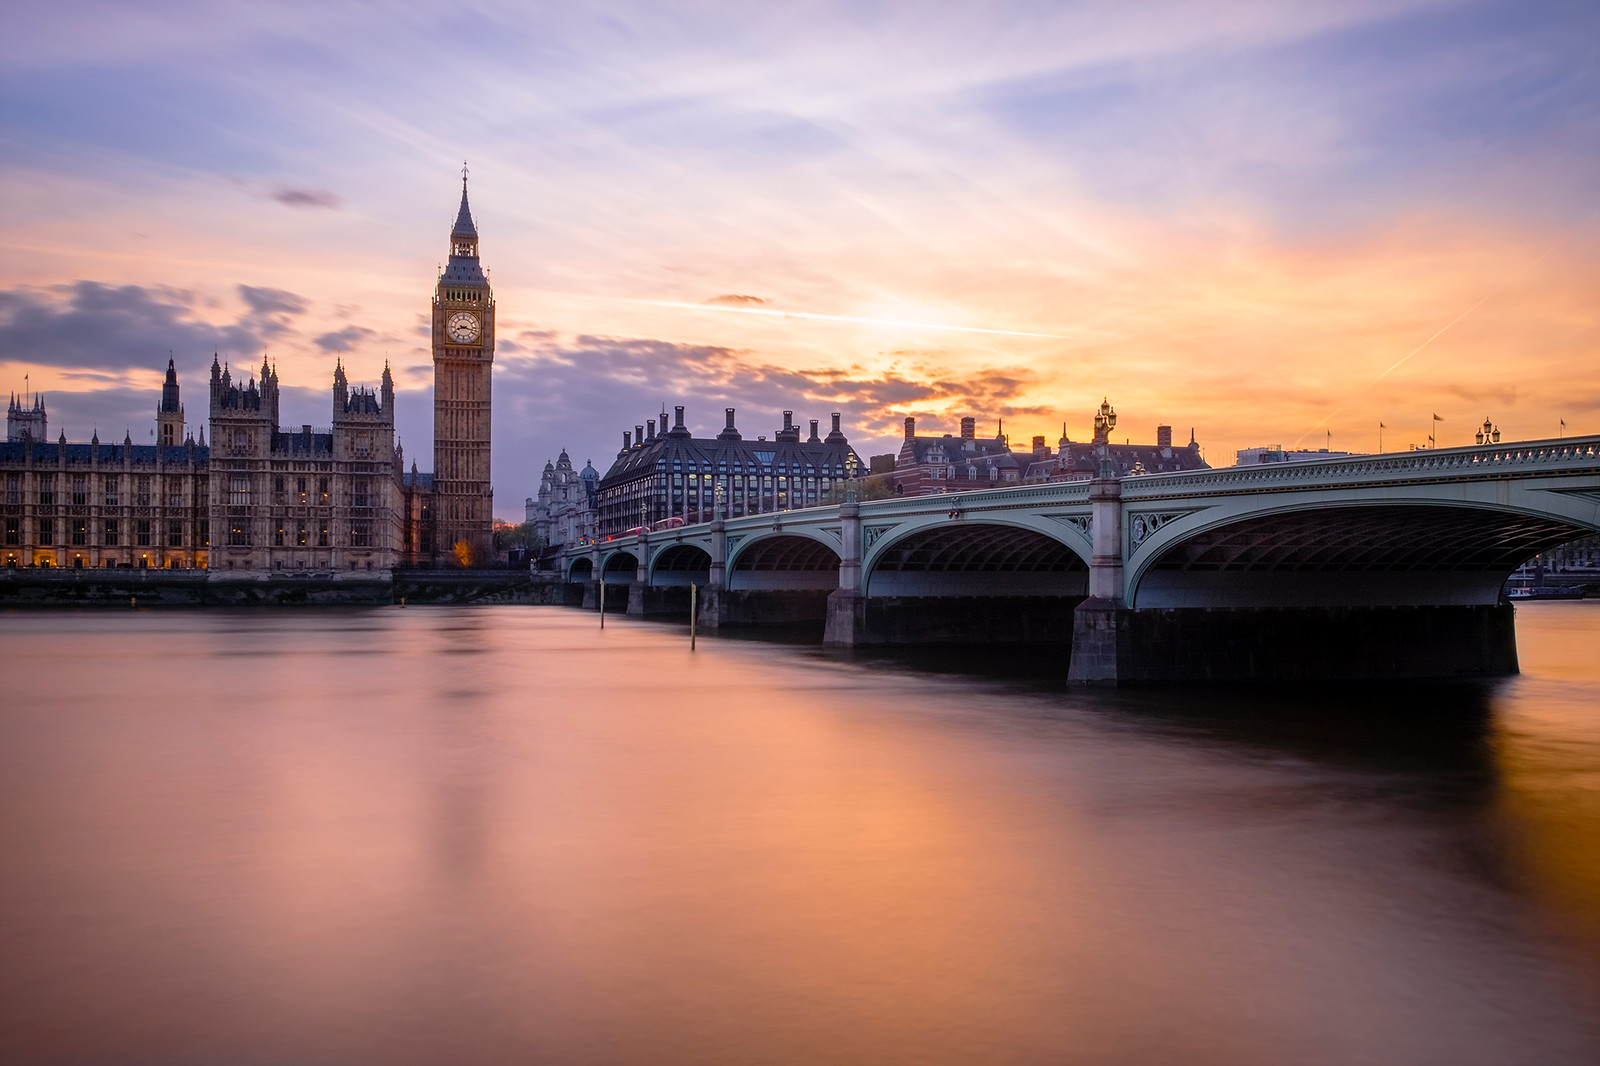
263,497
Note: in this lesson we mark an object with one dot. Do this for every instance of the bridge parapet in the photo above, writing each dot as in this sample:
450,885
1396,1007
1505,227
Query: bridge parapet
1476,463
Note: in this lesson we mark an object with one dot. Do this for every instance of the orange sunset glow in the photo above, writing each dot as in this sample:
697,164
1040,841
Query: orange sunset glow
1250,221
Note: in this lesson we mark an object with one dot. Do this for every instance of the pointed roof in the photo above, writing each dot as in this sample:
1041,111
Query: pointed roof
464,225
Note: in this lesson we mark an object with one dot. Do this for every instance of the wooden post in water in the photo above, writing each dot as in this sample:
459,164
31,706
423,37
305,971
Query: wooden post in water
693,589
602,599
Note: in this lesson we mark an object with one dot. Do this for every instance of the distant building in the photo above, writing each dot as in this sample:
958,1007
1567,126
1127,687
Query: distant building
675,475
929,465
1276,453
566,510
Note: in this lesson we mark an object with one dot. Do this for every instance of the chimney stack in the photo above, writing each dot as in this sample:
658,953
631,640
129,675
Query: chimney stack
627,440
788,420
677,417
911,426
650,422
814,438
969,428
638,436
1038,444
729,431
1163,436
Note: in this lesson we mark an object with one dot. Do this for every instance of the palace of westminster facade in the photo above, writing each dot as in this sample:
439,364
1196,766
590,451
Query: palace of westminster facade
261,497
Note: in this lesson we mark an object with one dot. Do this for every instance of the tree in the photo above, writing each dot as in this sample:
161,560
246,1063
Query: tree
876,487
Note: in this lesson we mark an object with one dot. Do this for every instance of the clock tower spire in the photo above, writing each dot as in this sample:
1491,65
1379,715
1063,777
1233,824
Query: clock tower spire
463,358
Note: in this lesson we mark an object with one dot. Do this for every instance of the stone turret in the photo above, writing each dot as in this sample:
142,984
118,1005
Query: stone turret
169,414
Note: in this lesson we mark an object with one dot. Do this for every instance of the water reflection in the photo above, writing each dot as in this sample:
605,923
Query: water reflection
494,834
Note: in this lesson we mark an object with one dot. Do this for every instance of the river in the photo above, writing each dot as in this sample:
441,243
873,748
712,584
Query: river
501,834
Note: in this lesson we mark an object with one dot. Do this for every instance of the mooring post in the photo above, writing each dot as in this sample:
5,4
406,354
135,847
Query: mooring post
602,599
693,590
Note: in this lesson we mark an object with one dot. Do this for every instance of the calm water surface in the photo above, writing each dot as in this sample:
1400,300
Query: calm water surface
494,835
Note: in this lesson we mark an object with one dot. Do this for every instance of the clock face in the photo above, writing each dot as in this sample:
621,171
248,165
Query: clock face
462,327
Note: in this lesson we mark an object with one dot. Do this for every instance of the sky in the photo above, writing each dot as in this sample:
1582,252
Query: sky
1267,223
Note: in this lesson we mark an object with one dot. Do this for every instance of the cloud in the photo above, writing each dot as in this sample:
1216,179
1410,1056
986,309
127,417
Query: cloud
548,399
340,340
264,301
734,299
91,325
305,198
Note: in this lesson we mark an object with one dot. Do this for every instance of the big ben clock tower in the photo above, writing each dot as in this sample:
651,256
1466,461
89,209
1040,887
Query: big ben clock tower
463,358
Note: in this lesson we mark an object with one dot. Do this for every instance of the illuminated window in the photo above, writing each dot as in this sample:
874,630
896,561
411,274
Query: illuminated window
322,537
360,534
13,531
109,536
238,534
239,491
80,531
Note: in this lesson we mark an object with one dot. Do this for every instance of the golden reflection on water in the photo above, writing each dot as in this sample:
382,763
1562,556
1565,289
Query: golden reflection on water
498,834
1545,745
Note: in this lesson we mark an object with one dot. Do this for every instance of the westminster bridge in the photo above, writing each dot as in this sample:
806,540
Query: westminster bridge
1380,566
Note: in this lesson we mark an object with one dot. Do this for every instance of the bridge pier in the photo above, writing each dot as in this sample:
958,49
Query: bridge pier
1098,622
641,578
845,622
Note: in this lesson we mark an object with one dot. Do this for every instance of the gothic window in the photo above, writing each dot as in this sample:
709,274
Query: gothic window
300,537
277,484
361,494
278,536
47,488
238,535
241,440
141,532
141,495
360,533
239,491
322,491
111,491
175,498
363,446
13,490
322,537
80,531
174,533
80,490
109,536
13,531
300,487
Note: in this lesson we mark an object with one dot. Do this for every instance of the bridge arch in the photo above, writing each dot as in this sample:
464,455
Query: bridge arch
681,564
1412,551
581,570
619,567
977,556
796,559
